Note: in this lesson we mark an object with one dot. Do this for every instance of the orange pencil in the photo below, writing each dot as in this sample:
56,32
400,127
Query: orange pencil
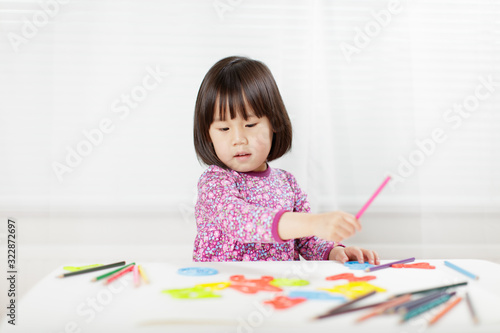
120,273
448,307
383,307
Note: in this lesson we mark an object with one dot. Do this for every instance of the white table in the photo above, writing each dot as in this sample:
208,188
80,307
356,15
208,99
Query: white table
74,304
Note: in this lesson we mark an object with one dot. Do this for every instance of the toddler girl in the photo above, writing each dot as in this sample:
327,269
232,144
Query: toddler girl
247,210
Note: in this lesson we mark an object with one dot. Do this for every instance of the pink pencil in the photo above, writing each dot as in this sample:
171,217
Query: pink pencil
367,204
136,275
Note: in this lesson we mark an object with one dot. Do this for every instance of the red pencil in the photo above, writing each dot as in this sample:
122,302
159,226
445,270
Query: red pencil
120,273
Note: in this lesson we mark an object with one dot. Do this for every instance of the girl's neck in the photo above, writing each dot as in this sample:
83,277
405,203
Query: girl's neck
264,173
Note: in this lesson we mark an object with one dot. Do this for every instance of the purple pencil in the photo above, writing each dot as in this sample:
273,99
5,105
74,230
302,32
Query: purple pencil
376,268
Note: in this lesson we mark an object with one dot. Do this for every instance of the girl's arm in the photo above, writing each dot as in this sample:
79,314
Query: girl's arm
305,228
332,226
329,226
311,247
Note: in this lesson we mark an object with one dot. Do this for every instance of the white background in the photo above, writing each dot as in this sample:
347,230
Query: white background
366,84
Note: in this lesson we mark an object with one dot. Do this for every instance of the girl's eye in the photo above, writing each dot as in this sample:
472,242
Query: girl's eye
251,125
224,129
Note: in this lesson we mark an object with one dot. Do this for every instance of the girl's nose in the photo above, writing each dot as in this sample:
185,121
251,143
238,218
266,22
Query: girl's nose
239,138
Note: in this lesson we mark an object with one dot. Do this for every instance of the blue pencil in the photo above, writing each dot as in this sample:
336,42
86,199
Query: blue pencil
426,306
461,270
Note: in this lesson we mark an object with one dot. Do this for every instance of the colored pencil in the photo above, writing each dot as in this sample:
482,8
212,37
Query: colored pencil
385,306
136,276
72,268
426,307
119,274
343,306
471,308
432,289
407,307
348,310
403,307
461,270
100,277
368,203
143,274
448,307
93,269
376,268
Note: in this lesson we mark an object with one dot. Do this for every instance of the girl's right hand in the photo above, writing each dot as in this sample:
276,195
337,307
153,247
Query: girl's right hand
335,226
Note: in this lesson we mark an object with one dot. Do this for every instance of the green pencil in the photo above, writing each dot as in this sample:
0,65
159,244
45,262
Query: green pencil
111,273
440,288
93,269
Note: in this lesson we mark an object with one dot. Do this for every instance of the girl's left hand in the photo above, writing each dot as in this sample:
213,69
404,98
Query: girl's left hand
344,254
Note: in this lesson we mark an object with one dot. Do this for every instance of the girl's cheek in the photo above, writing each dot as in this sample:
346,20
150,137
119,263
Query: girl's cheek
265,137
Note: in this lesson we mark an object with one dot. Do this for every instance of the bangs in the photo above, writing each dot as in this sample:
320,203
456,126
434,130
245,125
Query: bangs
235,104
237,96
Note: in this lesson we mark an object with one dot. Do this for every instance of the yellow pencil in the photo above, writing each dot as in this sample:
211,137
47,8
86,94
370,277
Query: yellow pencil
143,274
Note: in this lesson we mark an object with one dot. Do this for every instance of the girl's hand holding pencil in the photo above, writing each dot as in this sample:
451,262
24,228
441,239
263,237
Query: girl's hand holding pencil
332,226
335,226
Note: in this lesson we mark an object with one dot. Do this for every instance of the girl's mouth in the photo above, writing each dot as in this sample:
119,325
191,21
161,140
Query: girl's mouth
242,156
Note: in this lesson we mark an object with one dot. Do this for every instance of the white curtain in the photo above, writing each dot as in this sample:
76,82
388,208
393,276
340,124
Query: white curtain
97,100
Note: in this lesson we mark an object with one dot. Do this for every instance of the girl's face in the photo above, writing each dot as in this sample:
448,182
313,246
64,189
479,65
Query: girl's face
242,145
